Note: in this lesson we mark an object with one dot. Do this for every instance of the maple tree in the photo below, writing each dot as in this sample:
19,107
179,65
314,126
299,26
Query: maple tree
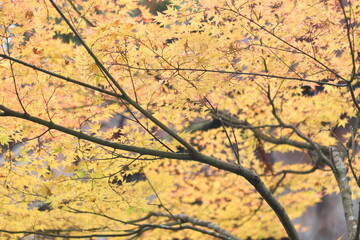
202,92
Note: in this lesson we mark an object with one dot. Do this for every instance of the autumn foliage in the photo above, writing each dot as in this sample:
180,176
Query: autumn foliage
117,122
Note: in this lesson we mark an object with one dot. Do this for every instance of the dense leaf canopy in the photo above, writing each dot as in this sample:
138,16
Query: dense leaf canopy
117,122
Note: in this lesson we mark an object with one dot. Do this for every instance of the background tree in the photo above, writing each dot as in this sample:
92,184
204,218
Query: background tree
203,91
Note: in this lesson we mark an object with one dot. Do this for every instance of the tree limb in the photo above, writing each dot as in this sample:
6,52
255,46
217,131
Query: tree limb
340,171
144,151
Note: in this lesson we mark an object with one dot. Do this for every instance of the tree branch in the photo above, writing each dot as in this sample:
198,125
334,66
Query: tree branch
340,171
234,73
234,168
184,218
124,94
285,42
235,122
350,41
144,151
180,219
258,184
68,79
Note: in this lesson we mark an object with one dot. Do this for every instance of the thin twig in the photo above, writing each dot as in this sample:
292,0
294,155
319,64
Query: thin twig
321,83
350,41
